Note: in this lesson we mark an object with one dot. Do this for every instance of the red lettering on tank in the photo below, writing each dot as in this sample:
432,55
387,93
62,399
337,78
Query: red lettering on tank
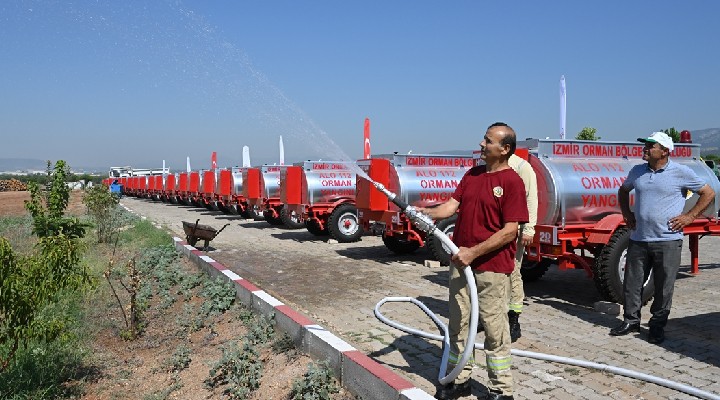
601,182
595,200
415,161
435,197
426,173
337,192
566,149
585,167
438,184
335,182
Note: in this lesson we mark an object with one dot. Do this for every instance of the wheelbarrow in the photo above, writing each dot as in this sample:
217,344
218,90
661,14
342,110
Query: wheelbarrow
196,231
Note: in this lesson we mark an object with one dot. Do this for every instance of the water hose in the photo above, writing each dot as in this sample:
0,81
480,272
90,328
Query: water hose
424,222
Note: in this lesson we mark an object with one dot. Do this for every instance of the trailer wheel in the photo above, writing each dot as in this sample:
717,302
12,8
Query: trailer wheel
292,219
314,228
225,209
399,246
272,220
534,270
437,248
249,213
609,269
343,224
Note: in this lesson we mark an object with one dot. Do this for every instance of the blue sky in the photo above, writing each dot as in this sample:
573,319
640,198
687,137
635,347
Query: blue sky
102,83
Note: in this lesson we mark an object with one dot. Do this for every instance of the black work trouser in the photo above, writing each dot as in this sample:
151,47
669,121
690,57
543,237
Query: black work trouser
663,259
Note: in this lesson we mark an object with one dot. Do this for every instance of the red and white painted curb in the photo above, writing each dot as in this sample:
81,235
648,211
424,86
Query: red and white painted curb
358,373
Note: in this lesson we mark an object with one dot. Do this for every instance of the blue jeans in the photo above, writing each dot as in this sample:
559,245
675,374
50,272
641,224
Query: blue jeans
663,259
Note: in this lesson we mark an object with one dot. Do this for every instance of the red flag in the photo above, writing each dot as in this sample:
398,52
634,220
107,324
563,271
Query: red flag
366,139
213,160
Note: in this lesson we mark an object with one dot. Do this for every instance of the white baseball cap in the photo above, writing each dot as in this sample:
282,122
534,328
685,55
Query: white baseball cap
659,137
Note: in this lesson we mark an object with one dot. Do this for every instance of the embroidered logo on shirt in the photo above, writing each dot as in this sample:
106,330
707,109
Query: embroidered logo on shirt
498,191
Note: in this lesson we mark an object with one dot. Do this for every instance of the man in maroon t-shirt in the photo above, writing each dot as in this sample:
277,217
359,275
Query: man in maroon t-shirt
490,201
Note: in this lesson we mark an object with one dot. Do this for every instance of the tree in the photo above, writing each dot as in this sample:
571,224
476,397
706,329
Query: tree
101,206
587,133
673,133
47,207
30,284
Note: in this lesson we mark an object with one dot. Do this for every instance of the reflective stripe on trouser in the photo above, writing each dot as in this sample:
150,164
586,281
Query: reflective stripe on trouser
517,293
492,309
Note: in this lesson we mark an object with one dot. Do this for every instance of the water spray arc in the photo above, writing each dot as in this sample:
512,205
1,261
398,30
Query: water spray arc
425,223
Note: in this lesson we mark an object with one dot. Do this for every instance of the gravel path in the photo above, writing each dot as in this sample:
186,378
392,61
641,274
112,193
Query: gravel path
339,284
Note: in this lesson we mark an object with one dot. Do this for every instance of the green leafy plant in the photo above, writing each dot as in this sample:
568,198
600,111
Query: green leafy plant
29,284
238,371
48,207
219,296
179,360
262,331
316,384
283,344
102,209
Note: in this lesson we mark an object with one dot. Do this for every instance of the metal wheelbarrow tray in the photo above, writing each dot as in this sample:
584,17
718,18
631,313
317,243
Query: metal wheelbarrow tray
196,231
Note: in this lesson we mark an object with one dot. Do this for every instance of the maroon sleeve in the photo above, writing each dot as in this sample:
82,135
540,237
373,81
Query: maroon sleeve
514,208
457,195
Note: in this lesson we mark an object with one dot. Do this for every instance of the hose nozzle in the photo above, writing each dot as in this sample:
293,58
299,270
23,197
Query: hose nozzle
420,220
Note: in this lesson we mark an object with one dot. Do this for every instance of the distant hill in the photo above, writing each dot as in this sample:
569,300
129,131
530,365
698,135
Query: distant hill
22,164
709,139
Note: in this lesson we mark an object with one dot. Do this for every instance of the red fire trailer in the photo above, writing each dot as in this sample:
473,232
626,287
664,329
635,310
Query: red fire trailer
322,194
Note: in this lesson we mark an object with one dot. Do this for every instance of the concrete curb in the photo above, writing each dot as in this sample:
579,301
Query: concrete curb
357,372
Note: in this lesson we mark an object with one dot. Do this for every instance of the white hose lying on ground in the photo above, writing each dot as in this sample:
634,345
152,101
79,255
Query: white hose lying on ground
538,356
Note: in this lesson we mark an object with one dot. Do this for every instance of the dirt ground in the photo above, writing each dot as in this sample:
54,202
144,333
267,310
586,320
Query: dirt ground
142,369
13,203
138,369
338,285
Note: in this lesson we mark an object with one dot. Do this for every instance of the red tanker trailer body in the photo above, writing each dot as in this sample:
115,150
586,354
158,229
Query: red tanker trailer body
321,193
229,191
156,186
207,192
183,187
223,187
420,180
194,189
141,186
169,192
262,190
579,221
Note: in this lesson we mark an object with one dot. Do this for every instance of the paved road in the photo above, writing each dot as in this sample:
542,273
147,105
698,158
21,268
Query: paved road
338,285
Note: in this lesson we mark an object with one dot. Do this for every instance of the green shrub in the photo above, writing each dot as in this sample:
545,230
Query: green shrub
219,296
238,371
29,284
102,207
316,384
48,207
179,360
